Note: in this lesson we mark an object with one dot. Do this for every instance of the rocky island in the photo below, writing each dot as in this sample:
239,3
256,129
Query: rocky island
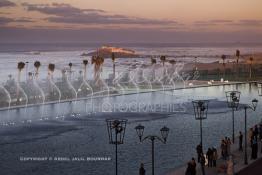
106,52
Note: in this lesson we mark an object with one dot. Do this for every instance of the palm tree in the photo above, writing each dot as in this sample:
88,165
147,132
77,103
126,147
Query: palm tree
97,61
85,62
70,69
30,74
20,67
10,77
153,62
114,66
37,65
223,57
163,59
70,65
173,62
237,55
51,69
251,59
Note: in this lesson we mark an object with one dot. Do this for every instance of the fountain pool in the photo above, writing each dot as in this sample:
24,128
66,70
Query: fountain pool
78,129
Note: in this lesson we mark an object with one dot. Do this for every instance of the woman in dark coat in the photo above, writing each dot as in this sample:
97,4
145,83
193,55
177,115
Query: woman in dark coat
142,171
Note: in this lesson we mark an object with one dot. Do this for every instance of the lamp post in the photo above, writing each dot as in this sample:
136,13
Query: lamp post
200,111
116,132
252,107
164,134
233,98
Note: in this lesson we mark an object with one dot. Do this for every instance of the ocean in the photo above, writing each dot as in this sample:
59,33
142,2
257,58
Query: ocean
62,53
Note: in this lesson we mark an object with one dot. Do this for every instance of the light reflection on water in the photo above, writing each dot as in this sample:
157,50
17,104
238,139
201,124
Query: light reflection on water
85,134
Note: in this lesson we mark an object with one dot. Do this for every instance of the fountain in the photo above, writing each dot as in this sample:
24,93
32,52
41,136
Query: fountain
136,77
99,83
51,68
8,95
84,87
37,65
68,81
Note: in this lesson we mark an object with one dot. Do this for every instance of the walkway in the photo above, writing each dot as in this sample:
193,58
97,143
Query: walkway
253,169
254,165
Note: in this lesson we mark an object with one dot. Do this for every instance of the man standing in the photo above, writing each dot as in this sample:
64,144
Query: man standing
240,141
199,150
202,162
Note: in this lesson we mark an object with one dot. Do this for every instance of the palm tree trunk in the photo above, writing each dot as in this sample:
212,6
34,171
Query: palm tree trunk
37,70
114,70
70,73
84,76
224,65
17,85
250,71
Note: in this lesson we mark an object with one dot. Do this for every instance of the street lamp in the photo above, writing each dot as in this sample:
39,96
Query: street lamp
200,111
164,134
253,107
233,98
116,132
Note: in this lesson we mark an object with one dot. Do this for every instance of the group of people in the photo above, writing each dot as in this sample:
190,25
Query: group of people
225,147
254,135
211,156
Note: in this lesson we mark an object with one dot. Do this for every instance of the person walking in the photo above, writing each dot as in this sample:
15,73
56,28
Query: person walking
215,157
256,132
230,166
199,150
193,162
228,144
260,131
254,148
260,135
240,141
222,147
250,135
142,171
189,169
202,163
209,155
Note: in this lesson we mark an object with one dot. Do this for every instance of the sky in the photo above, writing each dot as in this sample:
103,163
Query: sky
130,21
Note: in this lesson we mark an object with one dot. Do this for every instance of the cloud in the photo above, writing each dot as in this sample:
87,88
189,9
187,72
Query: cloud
25,20
4,20
243,23
6,3
213,22
249,23
58,9
65,13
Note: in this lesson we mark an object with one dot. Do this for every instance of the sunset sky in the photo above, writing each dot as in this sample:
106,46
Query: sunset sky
130,21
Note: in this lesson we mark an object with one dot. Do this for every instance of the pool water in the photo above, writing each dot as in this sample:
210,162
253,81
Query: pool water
78,129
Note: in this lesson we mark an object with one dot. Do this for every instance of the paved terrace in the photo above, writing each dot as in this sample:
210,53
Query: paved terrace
253,168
